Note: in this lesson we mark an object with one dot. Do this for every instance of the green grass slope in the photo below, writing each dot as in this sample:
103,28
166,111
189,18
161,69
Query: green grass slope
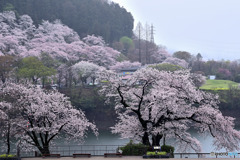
218,85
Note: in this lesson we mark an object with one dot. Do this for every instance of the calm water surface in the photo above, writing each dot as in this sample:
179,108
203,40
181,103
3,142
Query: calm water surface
107,138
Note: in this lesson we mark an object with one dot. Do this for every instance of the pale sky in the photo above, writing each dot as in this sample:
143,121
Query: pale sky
209,27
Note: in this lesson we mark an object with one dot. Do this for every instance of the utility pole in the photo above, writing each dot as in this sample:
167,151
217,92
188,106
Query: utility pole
152,44
139,33
147,43
139,44
152,34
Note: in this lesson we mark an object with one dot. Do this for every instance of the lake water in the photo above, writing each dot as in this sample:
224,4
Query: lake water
108,142
107,138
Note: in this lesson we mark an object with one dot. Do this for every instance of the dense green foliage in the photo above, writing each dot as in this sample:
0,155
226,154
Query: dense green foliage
182,55
218,85
230,99
134,149
87,98
33,68
86,17
167,148
224,70
127,44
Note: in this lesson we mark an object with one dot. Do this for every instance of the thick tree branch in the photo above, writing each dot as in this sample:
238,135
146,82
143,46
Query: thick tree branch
59,130
123,102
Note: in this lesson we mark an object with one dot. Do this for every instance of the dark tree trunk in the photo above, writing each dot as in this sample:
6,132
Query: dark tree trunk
3,79
59,81
145,139
34,80
93,81
43,82
8,139
66,82
156,140
70,79
44,149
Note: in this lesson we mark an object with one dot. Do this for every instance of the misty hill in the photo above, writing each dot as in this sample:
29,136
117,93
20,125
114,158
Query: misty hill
86,17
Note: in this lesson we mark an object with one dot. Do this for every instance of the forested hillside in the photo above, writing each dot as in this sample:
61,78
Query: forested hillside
86,17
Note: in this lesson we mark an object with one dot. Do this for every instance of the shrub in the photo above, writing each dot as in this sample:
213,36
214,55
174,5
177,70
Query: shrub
3,156
150,153
167,148
134,149
156,153
11,156
7,156
161,153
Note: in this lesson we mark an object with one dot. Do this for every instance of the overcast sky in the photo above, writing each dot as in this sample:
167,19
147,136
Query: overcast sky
209,27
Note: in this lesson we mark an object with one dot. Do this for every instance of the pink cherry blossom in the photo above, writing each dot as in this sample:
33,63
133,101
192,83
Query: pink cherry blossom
21,37
156,104
43,116
125,64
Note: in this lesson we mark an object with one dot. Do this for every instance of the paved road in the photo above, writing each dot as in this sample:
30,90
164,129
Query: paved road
119,158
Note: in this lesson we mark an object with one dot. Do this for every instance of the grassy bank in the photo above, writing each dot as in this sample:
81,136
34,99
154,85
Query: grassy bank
218,85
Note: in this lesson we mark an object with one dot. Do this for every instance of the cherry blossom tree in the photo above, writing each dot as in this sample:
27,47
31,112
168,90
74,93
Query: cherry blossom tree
57,40
223,73
176,61
62,75
44,116
166,67
92,40
154,104
8,127
102,55
198,79
84,70
125,64
19,36
11,34
159,54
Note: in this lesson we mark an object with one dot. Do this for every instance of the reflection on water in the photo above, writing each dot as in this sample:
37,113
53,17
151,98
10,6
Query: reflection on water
106,142
96,146
107,138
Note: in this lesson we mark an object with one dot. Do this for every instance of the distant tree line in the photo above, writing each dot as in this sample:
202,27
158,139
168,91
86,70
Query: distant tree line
224,69
86,17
